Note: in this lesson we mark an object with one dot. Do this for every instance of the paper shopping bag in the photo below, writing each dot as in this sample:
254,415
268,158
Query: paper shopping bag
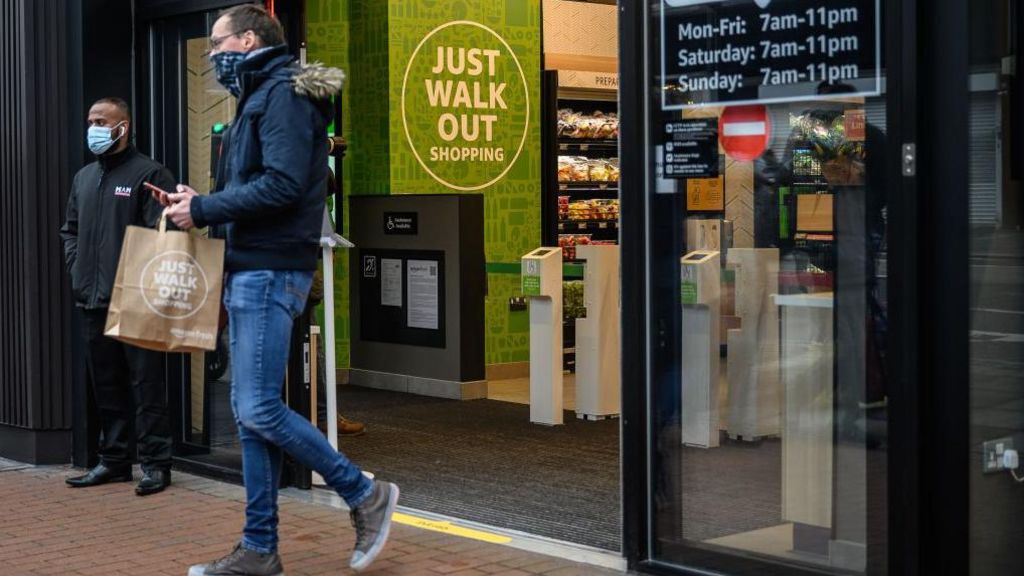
167,289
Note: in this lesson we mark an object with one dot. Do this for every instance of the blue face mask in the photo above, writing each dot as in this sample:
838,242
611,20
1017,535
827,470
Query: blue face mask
99,138
225,66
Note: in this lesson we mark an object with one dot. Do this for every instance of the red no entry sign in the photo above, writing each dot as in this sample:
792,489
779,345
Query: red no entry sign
744,131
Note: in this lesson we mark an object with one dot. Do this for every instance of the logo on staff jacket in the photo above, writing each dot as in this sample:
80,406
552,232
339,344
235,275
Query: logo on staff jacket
125,191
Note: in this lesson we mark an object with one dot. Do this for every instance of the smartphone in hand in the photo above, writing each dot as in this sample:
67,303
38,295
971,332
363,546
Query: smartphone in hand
159,194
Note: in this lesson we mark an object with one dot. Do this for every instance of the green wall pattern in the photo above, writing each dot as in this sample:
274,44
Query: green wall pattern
368,91
512,206
327,41
373,40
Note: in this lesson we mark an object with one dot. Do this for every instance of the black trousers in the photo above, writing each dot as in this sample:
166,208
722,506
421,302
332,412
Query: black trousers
127,380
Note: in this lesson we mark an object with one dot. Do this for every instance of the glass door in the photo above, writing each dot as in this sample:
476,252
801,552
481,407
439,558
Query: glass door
186,111
765,206
996,308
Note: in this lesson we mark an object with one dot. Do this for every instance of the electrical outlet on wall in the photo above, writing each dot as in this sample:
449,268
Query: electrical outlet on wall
992,454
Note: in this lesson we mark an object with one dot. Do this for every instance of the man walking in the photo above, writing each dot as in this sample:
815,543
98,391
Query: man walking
106,197
273,202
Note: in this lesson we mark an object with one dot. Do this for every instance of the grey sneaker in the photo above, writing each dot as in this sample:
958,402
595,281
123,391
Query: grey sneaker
372,520
241,562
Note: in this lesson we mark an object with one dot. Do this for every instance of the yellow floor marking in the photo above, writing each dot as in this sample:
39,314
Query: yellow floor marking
449,528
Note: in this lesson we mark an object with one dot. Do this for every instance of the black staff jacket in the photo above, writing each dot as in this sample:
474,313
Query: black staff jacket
106,197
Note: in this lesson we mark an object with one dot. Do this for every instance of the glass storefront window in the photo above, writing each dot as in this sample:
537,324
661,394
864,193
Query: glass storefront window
209,422
766,208
996,250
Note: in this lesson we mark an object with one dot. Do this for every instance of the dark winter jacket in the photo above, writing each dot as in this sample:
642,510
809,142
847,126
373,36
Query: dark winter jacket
273,197
106,197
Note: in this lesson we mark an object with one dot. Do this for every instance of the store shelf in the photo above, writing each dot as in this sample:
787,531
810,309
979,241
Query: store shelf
587,225
589,186
585,144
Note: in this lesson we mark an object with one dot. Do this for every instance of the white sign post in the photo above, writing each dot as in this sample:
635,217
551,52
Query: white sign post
329,242
542,284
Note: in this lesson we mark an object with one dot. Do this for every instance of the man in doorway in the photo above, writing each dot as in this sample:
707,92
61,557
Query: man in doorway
106,197
273,202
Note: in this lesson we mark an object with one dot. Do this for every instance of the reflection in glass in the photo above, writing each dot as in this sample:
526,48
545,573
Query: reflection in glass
211,422
768,323
996,248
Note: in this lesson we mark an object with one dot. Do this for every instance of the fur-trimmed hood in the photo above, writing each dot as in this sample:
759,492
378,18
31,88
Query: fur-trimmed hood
318,82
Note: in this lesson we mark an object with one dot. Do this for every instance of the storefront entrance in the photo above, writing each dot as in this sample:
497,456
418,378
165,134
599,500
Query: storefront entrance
480,460
800,341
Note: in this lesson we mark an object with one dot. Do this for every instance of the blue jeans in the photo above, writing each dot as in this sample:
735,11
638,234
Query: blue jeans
262,306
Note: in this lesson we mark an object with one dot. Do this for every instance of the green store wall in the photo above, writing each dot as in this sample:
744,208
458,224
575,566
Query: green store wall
328,41
374,41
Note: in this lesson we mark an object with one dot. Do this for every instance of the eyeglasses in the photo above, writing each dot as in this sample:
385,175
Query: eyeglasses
216,41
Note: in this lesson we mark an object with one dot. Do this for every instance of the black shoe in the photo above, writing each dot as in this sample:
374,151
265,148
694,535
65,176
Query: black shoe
241,562
101,474
153,481
372,520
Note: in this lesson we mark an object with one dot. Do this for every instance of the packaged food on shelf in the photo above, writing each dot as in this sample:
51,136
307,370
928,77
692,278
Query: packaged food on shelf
565,167
599,209
598,125
613,170
606,210
568,123
581,210
582,170
598,170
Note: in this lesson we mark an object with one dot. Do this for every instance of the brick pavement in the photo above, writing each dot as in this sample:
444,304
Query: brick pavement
48,528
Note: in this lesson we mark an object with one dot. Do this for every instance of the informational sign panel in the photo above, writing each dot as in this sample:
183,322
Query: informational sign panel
760,51
705,194
391,282
531,278
401,223
403,302
369,266
422,309
691,148
688,285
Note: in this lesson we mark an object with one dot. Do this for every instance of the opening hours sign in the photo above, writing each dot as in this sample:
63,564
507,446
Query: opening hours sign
762,51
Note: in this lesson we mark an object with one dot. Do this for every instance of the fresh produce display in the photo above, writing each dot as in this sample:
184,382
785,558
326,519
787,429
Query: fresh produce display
572,300
600,209
569,242
580,169
563,207
597,125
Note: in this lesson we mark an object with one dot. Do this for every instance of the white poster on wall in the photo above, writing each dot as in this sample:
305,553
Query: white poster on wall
390,282
422,283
